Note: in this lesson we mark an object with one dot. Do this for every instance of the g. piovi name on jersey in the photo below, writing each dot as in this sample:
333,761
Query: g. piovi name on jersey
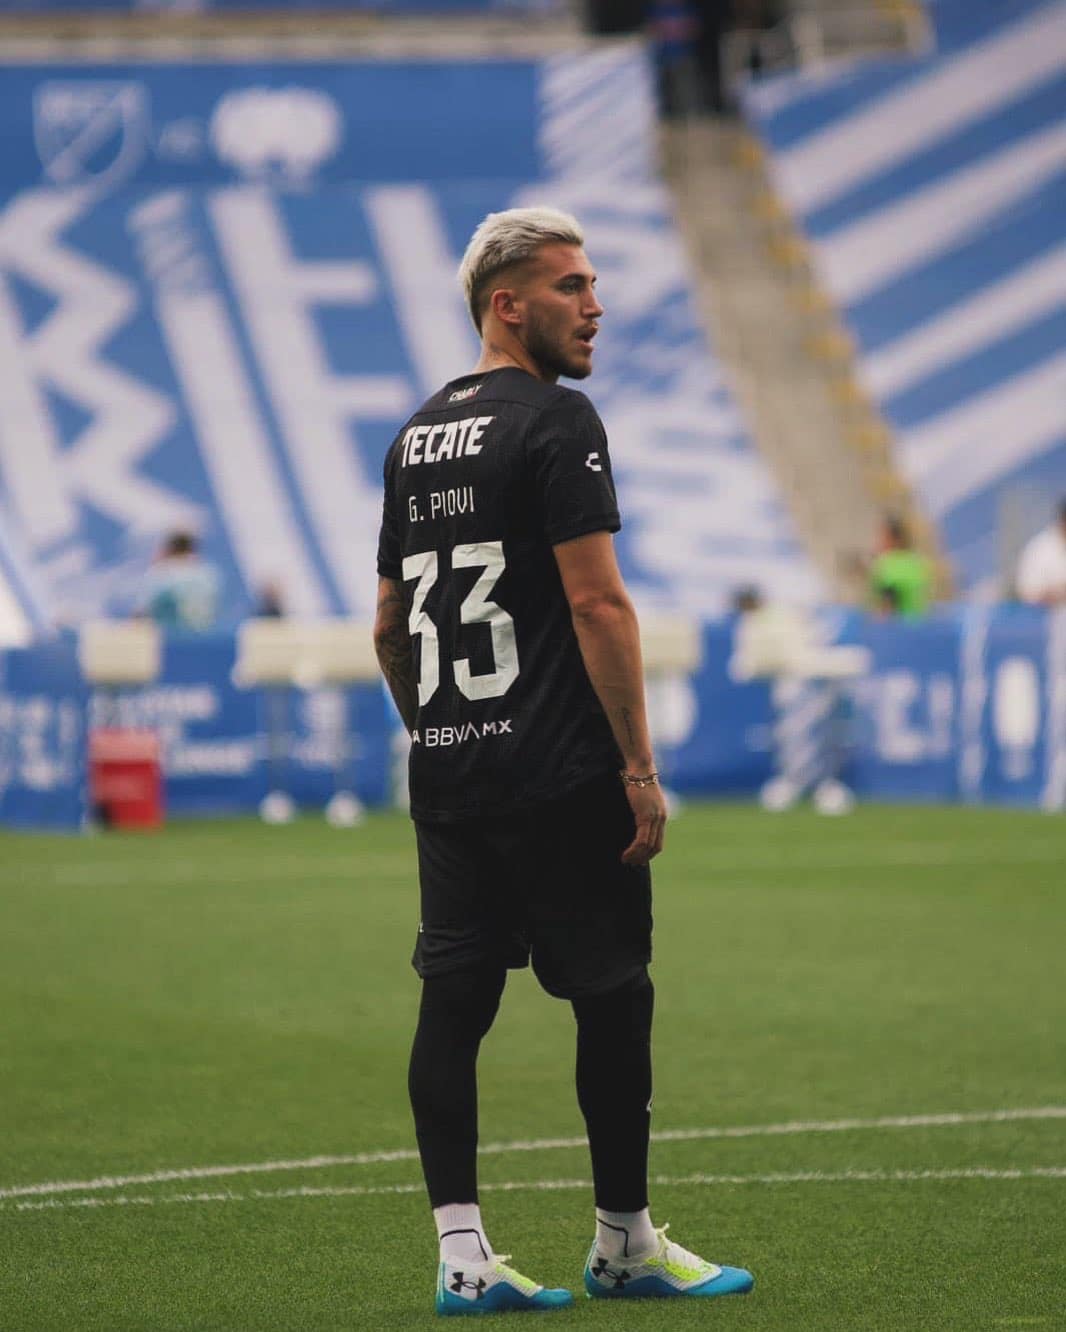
442,503
444,441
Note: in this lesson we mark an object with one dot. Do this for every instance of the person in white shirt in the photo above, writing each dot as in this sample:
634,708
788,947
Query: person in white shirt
1041,578
181,589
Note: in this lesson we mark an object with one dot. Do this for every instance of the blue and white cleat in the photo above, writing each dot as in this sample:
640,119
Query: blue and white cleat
668,1272
493,1287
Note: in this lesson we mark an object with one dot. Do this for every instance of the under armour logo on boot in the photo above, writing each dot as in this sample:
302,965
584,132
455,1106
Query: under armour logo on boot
600,1269
459,1285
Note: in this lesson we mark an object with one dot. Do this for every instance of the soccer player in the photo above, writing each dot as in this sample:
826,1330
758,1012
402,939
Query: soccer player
512,651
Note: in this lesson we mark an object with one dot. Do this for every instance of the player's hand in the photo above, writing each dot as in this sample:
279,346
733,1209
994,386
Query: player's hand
649,811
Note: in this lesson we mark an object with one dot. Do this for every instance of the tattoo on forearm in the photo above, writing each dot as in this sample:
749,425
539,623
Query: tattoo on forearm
394,657
392,642
391,599
627,722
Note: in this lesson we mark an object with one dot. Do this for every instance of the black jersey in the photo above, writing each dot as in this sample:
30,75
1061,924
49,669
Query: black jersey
481,483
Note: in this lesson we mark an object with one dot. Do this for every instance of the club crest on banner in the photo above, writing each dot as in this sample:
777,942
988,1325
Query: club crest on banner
90,131
279,133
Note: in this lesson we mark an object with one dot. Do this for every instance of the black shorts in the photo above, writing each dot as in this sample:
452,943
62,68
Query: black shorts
546,883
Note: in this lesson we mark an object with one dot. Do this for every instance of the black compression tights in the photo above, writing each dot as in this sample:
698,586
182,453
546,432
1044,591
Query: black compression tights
613,1084
614,1090
457,1010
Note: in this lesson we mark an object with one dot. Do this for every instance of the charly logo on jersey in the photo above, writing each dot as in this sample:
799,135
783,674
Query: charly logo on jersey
272,133
461,395
90,131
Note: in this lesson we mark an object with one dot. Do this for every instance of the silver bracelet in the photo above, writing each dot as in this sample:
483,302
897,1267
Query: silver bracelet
628,779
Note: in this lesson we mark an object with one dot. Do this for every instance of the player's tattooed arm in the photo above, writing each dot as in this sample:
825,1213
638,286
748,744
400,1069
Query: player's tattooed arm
608,636
392,643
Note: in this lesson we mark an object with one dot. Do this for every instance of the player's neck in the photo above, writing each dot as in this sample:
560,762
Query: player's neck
501,354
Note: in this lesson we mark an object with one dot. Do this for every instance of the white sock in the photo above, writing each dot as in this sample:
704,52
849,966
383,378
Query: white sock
624,1234
461,1234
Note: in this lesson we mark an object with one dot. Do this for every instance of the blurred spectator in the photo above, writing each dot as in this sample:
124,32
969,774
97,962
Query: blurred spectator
756,16
688,36
181,590
713,19
614,17
901,578
271,602
769,638
813,729
672,25
1041,579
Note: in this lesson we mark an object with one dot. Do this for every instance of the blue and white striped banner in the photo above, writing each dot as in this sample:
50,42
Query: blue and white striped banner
223,287
933,191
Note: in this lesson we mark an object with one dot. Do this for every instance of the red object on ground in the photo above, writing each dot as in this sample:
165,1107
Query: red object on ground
125,777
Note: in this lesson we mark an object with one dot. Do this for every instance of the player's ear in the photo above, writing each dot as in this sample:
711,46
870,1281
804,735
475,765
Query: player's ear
505,305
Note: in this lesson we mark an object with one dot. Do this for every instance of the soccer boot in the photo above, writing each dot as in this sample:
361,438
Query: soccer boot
492,1287
667,1272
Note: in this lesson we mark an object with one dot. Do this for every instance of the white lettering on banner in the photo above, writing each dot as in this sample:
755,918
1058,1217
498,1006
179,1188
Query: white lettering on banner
233,440
316,408
38,742
63,354
1016,715
894,695
169,710
157,706
324,718
699,511
211,758
414,247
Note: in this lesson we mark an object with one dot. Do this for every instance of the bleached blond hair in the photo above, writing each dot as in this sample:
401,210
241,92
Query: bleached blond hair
505,239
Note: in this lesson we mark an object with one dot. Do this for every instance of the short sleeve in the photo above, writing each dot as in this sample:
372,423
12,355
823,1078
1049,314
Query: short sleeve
571,466
390,556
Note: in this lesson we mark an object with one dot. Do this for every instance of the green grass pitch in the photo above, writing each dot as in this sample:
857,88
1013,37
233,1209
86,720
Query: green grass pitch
227,994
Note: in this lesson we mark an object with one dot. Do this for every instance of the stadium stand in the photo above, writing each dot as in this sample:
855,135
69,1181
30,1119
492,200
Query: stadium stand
932,191
225,281
223,286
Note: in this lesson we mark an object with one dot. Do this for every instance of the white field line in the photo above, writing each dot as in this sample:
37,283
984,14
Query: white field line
555,1185
845,856
799,1126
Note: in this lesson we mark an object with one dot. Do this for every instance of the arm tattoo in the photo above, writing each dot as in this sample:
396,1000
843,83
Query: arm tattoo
390,599
627,721
392,643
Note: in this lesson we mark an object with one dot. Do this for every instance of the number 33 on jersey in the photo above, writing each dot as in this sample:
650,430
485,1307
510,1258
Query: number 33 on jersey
480,484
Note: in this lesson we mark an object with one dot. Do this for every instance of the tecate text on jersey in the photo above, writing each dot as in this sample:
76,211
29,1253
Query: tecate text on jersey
445,440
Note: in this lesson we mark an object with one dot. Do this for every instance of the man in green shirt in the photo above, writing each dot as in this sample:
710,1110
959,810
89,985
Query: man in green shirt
900,577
